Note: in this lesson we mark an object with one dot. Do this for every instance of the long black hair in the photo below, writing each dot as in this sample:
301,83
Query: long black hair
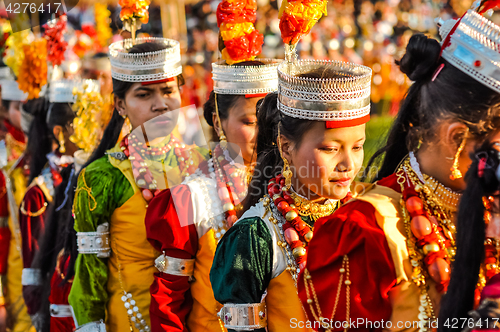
45,118
452,95
481,182
113,129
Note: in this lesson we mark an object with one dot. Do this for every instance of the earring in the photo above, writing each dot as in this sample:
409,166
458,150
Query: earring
62,148
455,172
123,115
223,140
286,172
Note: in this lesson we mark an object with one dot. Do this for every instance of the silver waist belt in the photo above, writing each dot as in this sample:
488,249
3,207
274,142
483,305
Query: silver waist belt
31,277
92,327
61,310
175,266
95,242
244,317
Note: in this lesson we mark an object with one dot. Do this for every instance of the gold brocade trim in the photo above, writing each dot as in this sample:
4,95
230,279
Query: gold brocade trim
33,214
86,189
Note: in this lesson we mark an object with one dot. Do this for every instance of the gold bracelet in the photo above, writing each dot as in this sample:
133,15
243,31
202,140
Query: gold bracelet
33,214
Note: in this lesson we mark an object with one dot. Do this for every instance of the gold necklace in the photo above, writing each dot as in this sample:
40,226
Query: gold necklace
313,210
308,283
446,197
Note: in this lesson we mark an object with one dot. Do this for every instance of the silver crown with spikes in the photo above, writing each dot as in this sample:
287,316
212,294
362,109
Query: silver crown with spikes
145,67
344,97
11,91
245,80
474,48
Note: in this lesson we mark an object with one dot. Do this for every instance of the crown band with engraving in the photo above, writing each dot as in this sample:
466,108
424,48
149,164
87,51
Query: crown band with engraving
245,80
346,96
145,67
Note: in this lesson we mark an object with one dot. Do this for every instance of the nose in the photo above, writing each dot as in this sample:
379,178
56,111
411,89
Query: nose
346,163
160,103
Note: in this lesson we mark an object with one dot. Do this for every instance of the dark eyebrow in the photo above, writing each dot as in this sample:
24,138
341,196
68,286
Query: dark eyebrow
144,88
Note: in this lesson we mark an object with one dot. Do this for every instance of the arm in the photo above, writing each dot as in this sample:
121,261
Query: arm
242,267
5,238
98,192
169,232
351,231
31,222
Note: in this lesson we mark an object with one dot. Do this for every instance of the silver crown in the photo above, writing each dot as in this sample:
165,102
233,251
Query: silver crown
474,48
245,80
11,91
5,73
61,91
346,97
145,67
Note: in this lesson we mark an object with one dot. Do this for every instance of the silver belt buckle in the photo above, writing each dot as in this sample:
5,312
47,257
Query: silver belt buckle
244,317
175,266
95,242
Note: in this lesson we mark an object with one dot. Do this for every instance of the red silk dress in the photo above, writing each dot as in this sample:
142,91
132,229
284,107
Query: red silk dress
352,230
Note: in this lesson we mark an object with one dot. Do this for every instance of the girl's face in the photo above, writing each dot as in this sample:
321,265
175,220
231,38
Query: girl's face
240,127
15,114
326,161
143,103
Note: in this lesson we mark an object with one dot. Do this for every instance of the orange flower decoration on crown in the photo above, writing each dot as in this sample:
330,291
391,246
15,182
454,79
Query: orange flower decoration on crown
33,71
134,12
297,17
236,19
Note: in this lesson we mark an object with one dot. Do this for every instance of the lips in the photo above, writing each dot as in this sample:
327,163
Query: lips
342,182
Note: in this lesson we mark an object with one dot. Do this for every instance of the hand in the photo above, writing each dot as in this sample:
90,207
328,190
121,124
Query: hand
3,319
32,297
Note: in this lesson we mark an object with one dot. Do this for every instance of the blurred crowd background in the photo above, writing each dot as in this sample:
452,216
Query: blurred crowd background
369,32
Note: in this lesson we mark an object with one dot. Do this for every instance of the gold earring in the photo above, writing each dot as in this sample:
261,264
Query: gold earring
286,172
455,172
62,148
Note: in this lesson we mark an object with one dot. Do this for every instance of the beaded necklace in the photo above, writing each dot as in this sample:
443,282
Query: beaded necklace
231,186
135,151
430,234
295,232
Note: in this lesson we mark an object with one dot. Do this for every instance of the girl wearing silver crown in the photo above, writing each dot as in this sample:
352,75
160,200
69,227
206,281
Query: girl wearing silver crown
186,222
387,254
310,149
115,265
49,150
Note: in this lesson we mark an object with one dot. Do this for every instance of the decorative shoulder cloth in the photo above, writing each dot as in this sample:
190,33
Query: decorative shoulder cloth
92,327
244,317
31,277
95,242
175,266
